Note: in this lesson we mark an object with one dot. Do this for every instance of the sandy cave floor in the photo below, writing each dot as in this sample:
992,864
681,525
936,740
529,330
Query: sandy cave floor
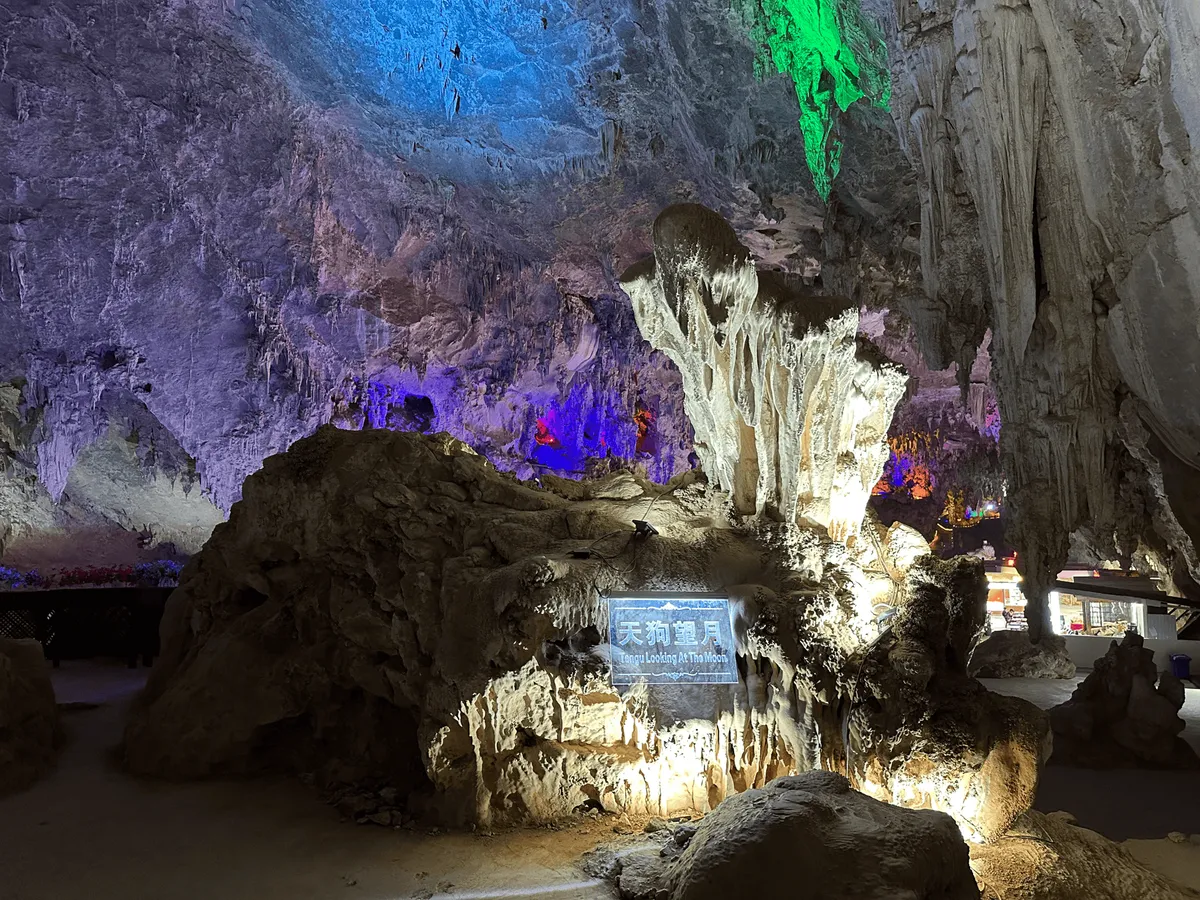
1120,804
91,831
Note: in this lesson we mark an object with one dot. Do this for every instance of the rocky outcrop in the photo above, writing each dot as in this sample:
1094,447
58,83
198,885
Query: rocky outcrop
1042,857
1125,714
1010,654
838,843
1049,857
1053,156
921,732
387,608
130,491
30,733
384,603
790,410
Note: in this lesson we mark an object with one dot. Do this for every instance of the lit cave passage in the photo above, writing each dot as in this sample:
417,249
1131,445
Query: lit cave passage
599,449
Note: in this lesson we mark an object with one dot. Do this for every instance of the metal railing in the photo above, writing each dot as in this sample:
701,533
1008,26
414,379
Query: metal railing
81,623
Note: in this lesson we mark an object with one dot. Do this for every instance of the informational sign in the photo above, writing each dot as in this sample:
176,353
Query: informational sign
671,639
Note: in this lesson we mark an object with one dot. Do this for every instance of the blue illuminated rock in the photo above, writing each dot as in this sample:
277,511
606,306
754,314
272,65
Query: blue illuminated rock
237,221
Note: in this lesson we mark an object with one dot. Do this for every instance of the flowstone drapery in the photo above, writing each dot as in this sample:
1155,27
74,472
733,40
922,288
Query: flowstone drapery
789,406
1058,194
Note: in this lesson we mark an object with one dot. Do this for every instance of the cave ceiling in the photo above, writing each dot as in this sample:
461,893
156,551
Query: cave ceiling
235,211
224,223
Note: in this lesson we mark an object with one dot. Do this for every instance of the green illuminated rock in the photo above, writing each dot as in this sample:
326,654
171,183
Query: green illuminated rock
834,56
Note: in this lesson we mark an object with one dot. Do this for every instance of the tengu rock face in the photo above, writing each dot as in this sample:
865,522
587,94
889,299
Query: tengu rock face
387,608
790,410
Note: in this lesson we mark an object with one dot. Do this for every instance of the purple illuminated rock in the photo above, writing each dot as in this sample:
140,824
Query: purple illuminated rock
198,237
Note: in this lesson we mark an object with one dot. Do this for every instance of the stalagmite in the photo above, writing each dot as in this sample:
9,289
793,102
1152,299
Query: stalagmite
790,409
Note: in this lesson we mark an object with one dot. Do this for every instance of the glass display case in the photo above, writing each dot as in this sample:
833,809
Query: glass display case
1101,618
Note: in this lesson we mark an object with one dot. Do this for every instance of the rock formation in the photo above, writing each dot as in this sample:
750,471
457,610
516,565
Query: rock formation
312,227
1053,158
303,232
1042,857
387,608
1010,654
921,732
1119,717
1049,857
836,843
789,408
30,733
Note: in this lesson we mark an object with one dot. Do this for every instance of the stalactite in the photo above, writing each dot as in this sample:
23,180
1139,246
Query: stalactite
790,409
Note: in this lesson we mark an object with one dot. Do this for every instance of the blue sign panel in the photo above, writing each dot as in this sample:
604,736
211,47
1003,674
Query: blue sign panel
671,639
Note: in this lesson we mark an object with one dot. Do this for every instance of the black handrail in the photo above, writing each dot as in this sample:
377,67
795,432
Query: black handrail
74,623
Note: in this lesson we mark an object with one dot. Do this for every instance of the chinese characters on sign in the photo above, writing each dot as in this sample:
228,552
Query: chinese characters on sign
675,639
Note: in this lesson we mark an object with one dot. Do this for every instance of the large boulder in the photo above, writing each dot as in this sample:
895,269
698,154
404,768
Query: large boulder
30,732
1124,715
810,837
1049,857
385,609
1011,654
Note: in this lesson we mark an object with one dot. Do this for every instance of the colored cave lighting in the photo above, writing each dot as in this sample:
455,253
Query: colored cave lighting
958,513
644,420
543,434
584,431
987,509
909,469
518,62
566,436
834,56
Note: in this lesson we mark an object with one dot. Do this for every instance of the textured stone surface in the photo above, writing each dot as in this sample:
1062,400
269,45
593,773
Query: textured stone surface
1053,154
131,482
243,220
789,407
30,734
1049,857
1010,654
837,843
234,221
1124,714
387,608
923,733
